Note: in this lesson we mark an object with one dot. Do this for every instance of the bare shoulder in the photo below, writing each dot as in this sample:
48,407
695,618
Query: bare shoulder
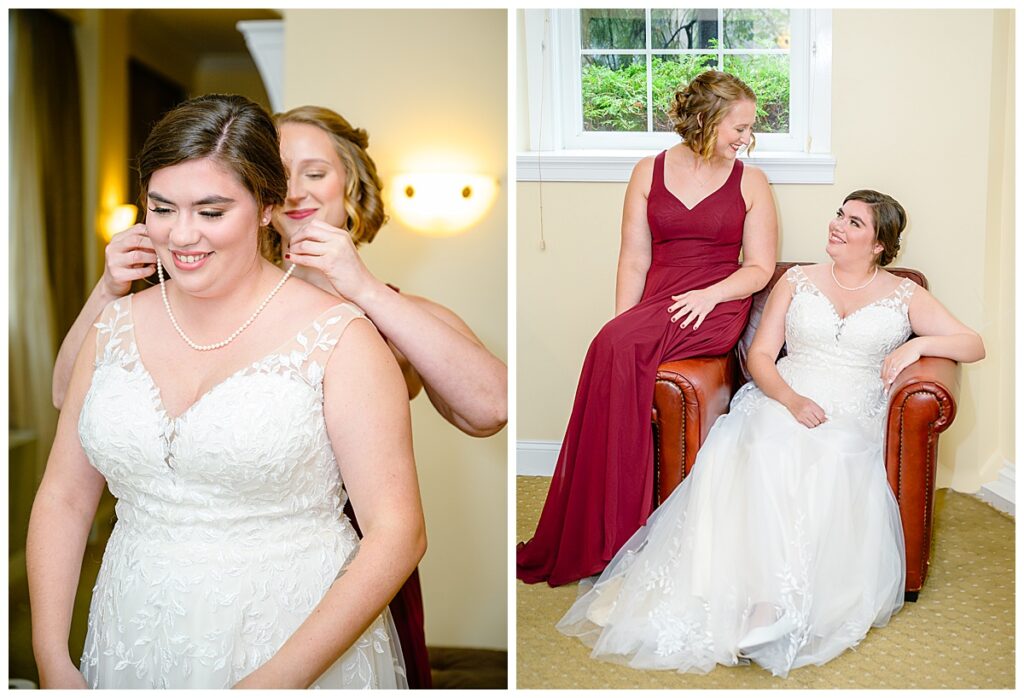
643,174
754,179
817,273
312,300
362,352
892,281
644,167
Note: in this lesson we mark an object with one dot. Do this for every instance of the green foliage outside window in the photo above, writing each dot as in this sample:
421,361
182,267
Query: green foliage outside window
616,99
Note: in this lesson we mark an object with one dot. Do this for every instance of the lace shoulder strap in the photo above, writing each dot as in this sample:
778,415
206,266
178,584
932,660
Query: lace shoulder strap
903,293
798,280
114,337
313,346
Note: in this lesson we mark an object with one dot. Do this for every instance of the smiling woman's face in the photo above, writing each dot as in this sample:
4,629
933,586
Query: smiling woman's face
204,225
851,233
736,129
316,180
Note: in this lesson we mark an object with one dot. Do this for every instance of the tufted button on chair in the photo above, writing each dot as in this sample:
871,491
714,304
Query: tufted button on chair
690,394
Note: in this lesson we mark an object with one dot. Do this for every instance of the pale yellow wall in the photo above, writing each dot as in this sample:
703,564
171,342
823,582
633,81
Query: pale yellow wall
911,116
430,87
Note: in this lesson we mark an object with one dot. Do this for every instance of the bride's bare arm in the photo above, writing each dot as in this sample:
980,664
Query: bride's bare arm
62,514
764,350
367,414
938,334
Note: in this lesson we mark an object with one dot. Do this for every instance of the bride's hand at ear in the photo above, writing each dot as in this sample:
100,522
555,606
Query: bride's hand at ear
129,256
331,250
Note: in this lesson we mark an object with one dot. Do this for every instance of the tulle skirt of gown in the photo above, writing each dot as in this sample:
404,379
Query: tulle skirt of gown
778,525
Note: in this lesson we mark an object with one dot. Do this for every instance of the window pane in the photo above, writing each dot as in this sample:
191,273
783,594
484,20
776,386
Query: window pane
684,29
755,29
614,93
768,77
671,73
612,29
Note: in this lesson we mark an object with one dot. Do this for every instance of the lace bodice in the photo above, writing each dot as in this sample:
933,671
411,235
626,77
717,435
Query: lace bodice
254,444
229,517
836,361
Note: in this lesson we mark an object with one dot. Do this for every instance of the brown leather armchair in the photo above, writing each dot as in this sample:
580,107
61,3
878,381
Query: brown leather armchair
689,395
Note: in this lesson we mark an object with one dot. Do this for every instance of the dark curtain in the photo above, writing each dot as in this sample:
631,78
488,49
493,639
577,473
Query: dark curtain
55,65
150,96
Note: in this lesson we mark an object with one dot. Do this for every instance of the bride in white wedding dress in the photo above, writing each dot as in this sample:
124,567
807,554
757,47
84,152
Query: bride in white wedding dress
231,563
784,544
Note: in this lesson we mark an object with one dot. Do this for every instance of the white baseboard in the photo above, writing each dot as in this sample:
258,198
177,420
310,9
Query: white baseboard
1000,492
536,457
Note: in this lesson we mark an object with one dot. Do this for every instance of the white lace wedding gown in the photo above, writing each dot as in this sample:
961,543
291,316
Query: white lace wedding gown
229,519
777,526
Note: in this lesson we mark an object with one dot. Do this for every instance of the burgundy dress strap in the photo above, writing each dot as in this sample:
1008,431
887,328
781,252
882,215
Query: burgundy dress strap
736,176
658,178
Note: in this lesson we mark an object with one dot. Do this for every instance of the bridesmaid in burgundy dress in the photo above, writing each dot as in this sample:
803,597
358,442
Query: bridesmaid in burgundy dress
680,292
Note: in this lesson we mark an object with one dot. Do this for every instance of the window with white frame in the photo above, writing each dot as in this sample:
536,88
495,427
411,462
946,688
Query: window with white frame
608,77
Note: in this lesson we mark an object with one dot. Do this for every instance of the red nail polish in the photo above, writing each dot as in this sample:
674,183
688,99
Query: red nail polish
287,256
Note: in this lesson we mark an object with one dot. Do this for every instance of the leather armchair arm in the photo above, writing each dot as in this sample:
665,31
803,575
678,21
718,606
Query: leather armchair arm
922,404
689,395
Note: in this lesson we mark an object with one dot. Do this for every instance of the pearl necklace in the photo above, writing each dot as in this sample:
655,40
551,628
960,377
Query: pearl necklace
854,288
225,342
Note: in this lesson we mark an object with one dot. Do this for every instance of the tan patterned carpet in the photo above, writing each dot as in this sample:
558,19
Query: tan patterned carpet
959,634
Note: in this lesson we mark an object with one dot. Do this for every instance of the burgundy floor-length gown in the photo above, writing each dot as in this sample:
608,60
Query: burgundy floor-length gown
602,489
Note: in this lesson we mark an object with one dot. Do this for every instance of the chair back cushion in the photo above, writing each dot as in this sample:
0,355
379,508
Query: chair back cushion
761,298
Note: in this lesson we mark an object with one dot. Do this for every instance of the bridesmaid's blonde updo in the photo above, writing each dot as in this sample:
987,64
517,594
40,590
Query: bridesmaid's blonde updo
363,202
698,108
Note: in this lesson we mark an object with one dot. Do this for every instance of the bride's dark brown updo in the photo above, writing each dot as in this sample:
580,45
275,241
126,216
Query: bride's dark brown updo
232,130
890,220
699,108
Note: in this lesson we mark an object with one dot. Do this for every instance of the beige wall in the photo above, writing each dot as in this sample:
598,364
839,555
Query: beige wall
229,72
922,109
430,88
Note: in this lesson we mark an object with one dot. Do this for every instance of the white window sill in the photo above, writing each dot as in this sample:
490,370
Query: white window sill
616,166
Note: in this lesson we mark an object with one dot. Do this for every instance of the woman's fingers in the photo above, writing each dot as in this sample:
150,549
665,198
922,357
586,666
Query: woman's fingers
307,260
142,272
142,257
320,232
308,246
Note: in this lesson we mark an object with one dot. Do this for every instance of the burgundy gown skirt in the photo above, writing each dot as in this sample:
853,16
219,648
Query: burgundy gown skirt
602,489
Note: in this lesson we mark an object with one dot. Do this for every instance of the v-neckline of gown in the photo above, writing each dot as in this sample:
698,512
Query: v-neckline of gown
664,184
162,406
832,306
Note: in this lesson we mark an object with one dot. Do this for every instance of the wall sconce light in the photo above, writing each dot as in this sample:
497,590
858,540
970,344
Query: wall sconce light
441,203
116,219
